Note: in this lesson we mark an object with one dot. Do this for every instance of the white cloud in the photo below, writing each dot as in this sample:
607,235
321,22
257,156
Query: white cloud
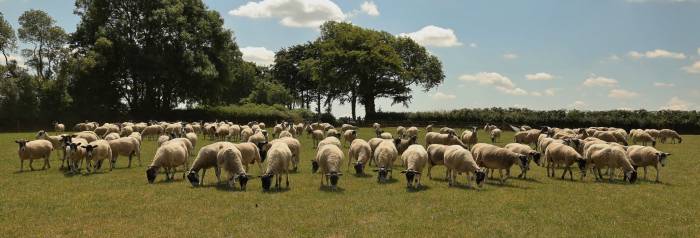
258,55
474,45
502,83
622,94
678,104
551,91
657,53
292,13
434,36
698,51
614,57
578,105
443,96
537,94
693,69
370,8
510,56
597,81
539,76
664,85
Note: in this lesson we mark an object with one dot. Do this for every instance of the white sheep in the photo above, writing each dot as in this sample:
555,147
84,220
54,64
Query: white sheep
75,154
436,156
328,160
403,144
665,134
137,136
386,135
31,150
284,134
429,128
59,127
152,131
412,131
415,158
612,157
317,136
97,151
329,140
532,155
89,136
229,158
643,137
561,154
251,154
644,156
293,144
361,153
494,157
495,134
56,142
444,139
246,133
112,136
447,130
162,139
332,132
385,154
346,127
373,143
169,156
469,138
126,131
192,137
279,157
206,158
460,160
400,131
349,136
126,146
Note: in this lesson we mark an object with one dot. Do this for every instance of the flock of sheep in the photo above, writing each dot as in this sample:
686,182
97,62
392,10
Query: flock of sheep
591,149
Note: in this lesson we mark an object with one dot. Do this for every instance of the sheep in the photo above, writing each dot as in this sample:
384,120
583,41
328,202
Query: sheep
138,127
192,137
279,156
112,136
665,134
136,136
436,156
293,144
402,144
258,137
460,160
162,139
56,141
299,128
246,133
532,155
317,136
488,128
285,134
653,132
332,132
174,128
415,158
31,150
561,154
230,159
643,137
429,128
386,135
495,135
58,127
607,136
643,156
222,132
469,138
151,131
377,126
126,131
234,132
447,130
328,160
127,146
360,152
261,125
494,157
75,154
329,140
349,136
528,137
444,139
97,151
89,136
385,154
373,143
613,157
169,156
412,131
251,154
206,158
400,131
277,130
346,127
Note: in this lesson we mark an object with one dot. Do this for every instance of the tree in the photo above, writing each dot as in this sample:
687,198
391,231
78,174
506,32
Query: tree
155,55
8,40
38,29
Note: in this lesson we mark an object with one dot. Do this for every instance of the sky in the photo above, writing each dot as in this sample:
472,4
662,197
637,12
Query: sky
545,54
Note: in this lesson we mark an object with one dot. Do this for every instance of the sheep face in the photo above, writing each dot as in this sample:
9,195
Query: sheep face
582,166
662,158
536,157
22,144
383,172
480,177
243,180
359,167
193,177
524,162
410,177
266,181
334,177
72,148
314,166
151,173
631,176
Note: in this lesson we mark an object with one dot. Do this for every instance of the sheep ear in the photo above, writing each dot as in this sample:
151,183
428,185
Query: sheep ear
667,154
73,136
403,172
340,174
417,172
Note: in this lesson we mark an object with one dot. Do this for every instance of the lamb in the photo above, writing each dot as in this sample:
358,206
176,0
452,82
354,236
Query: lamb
152,131
75,154
59,127
415,158
643,137
643,156
532,155
293,144
444,139
284,134
206,158
613,157
349,136
192,137
385,154
169,156
328,160
400,131
317,136
279,157
126,146
665,134
360,152
460,160
494,157
469,137
429,128
31,150
97,151
112,136
412,131
246,133
561,154
329,140
436,156
230,158
495,135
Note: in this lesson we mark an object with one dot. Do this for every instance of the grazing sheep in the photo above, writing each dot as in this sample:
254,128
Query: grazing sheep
643,156
293,144
97,151
373,143
412,131
528,137
317,135
403,144
494,157
152,131
284,134
665,134
386,135
469,137
385,155
532,155
495,135
169,156
222,132
31,150
429,128
643,137
206,158
112,136
136,136
561,154
653,132
329,140
360,152
415,158
246,133
162,139
174,128
126,146
460,160
400,131
613,157
279,156
75,154
349,136
444,139
192,137
251,154
230,159
328,160
234,132
436,154
258,137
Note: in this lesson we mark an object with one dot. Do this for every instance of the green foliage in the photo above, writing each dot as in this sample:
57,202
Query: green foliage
38,29
8,40
240,113
268,92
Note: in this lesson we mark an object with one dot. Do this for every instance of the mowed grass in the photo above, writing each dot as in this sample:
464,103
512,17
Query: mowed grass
121,203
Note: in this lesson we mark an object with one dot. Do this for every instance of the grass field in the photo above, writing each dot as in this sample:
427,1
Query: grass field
122,203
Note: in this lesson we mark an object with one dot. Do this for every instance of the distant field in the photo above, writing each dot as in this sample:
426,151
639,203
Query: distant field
122,203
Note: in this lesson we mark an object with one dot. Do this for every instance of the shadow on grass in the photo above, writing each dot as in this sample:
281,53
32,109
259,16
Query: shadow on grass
497,183
530,179
273,190
363,175
389,181
463,186
443,179
422,188
330,189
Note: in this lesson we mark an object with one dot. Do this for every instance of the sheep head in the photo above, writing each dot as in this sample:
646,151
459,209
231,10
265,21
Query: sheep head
89,149
359,167
243,180
334,177
631,176
266,181
22,144
193,177
480,177
314,166
151,173
536,157
410,176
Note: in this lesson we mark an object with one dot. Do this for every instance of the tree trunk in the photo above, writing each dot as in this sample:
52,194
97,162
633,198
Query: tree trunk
353,102
369,107
318,104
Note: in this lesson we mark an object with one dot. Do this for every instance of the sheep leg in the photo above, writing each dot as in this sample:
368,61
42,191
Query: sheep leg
48,163
30,164
611,174
657,173
286,177
563,175
130,155
429,169
88,164
279,181
21,165
645,173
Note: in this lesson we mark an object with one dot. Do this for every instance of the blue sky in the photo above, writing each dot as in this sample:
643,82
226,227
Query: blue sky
592,55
